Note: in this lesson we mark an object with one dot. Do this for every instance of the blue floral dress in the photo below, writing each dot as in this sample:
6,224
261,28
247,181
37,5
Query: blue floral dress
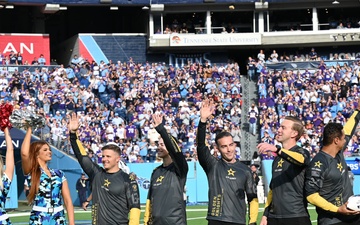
3,194
49,195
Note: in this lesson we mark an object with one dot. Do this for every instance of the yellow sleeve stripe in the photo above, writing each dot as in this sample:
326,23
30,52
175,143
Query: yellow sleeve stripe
134,218
350,124
295,155
177,148
81,147
147,212
254,209
269,199
320,202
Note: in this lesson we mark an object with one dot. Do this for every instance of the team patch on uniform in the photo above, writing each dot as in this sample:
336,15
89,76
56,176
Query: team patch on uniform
318,164
159,179
107,182
134,187
340,167
231,172
132,176
280,163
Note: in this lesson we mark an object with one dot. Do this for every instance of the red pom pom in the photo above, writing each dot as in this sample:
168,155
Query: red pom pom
5,112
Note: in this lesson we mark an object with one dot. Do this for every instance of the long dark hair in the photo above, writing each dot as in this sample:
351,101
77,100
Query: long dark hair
35,171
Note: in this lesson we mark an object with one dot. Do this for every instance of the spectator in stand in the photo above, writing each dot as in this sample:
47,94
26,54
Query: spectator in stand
251,68
274,57
56,132
313,55
19,59
143,146
267,138
57,117
139,159
261,57
340,26
236,133
252,117
131,131
109,131
152,150
12,57
153,135
41,60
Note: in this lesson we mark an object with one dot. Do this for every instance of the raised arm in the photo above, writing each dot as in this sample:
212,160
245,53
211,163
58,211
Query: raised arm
350,126
9,169
171,145
25,148
205,158
89,167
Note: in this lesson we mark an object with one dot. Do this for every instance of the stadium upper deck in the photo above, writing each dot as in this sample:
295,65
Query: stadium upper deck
127,2
174,26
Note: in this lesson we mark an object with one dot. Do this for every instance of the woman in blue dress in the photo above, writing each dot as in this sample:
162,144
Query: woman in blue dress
6,176
49,189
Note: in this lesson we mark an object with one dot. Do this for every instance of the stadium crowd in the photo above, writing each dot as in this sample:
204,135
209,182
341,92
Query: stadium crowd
316,96
116,101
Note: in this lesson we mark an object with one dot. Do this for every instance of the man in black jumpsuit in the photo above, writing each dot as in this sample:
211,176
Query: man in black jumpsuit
327,183
286,202
114,193
81,188
230,181
165,203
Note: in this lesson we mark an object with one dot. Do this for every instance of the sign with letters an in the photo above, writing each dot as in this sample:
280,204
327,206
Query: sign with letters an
29,45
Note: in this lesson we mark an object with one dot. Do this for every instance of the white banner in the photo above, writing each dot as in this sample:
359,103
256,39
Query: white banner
215,39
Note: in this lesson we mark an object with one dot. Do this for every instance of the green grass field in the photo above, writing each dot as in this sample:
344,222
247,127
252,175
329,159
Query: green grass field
195,215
